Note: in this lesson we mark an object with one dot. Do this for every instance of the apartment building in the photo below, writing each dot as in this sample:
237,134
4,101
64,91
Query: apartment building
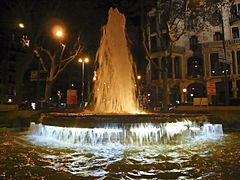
12,52
198,67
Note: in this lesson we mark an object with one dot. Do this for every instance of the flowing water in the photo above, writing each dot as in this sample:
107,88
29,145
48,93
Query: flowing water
114,90
181,150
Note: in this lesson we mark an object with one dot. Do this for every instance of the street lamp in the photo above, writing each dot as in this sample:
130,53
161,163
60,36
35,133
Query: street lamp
59,33
184,94
83,61
21,25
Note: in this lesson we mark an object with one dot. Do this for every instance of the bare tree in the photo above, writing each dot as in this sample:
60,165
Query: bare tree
33,14
54,63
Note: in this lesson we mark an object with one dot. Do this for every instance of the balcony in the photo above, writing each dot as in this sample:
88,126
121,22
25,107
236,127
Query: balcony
234,18
219,44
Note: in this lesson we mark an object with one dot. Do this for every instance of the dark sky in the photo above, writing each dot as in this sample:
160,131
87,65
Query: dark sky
84,17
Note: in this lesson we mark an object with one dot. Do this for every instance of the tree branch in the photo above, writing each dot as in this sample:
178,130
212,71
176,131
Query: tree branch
51,57
41,61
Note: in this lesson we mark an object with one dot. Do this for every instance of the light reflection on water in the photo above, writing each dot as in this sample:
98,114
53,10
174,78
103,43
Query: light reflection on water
188,159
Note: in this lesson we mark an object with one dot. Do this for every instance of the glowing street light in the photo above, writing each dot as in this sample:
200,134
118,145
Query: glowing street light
139,77
184,90
21,25
59,33
83,61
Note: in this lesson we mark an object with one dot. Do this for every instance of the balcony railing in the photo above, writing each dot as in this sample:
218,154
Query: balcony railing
234,18
215,44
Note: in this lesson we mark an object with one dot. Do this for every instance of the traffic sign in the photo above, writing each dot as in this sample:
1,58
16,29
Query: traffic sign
211,88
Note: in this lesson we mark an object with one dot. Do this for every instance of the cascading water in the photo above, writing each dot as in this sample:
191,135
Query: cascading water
125,134
114,90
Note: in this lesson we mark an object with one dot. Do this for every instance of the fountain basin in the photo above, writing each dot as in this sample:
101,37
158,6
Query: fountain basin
100,120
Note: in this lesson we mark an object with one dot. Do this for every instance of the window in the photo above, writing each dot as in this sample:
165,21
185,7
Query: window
192,23
195,67
235,11
154,43
238,61
233,62
177,67
235,32
164,41
11,79
217,66
214,64
154,69
218,36
193,41
10,91
153,24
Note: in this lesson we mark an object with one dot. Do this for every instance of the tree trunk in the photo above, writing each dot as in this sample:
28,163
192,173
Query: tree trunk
48,90
165,84
165,92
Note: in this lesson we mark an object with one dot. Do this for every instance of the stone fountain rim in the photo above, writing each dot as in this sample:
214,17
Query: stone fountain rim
99,120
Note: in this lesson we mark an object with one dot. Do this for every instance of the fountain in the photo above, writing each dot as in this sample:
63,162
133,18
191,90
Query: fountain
125,134
114,90
113,140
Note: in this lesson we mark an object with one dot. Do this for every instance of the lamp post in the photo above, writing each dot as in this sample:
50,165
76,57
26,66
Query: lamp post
226,81
184,94
139,97
83,61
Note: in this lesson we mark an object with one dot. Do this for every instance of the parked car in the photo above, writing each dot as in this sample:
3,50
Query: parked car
25,105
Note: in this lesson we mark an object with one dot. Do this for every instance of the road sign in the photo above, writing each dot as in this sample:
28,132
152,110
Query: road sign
38,75
71,97
211,88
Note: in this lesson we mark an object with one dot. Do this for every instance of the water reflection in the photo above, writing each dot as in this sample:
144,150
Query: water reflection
202,158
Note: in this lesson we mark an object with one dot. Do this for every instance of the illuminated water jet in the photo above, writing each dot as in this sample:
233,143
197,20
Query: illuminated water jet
114,89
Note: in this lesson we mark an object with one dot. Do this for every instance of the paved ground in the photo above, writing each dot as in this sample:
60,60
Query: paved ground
208,108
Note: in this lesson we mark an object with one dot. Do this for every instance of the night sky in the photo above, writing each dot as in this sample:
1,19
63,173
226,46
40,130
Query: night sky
79,17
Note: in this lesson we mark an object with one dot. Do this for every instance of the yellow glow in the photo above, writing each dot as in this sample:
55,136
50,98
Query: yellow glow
139,77
80,60
59,33
21,25
86,60
184,90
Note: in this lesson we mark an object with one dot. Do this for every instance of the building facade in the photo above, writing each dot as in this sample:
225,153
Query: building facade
12,52
198,66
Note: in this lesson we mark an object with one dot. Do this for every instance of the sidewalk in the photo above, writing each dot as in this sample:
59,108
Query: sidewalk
207,108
